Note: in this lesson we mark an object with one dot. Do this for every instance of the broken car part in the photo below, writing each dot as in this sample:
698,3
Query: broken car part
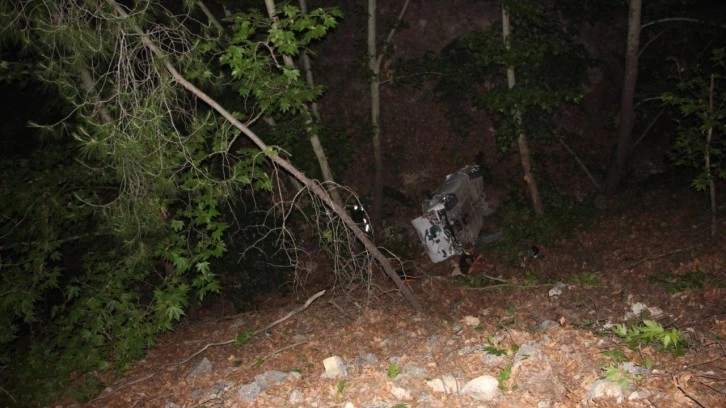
453,215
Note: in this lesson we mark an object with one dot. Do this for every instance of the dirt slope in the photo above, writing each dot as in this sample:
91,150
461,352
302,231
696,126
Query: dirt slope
548,344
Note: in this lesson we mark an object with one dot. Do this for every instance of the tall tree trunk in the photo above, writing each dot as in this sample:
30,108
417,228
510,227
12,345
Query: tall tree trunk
375,69
522,142
374,65
627,114
307,66
314,138
707,159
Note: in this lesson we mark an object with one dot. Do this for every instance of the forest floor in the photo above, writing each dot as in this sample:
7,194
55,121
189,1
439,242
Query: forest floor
543,328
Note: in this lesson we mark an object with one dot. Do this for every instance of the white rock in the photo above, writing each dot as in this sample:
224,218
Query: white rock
447,383
205,366
349,405
484,388
412,371
367,358
604,389
633,369
638,308
248,392
471,321
638,395
334,367
655,311
296,397
557,290
400,393
272,378
525,352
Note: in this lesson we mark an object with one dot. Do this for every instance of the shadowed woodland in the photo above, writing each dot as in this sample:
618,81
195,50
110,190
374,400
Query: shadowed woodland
179,178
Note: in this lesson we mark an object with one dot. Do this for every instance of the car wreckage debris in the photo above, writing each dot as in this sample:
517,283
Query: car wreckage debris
453,215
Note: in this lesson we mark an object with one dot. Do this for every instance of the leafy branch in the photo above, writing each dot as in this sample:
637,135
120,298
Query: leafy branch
650,332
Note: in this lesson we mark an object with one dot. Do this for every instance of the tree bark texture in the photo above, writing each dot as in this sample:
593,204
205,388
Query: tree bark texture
522,142
707,160
307,66
627,113
375,59
375,68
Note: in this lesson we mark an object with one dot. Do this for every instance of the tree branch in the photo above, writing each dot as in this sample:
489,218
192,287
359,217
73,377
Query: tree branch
675,19
276,159
582,165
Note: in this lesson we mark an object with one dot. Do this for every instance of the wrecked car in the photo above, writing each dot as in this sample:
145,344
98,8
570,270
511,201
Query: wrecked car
453,214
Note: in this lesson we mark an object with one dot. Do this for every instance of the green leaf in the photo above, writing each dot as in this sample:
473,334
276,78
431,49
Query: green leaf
244,337
393,370
177,225
202,267
174,313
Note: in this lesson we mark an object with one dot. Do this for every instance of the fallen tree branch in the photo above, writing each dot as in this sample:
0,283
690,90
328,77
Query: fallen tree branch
278,352
221,343
506,285
276,159
266,328
651,258
495,278
681,388
581,164
292,313
8,394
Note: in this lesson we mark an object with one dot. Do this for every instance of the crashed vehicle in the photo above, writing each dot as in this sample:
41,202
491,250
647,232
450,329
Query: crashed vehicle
453,215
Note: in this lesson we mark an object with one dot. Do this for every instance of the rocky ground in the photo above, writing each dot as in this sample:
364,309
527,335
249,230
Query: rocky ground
519,331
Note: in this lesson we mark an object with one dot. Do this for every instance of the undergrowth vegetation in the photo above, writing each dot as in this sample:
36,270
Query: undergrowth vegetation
651,332
523,228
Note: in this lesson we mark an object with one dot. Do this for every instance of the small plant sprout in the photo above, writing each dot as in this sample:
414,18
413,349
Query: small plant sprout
244,337
615,374
675,283
342,385
503,376
616,355
394,370
495,351
587,280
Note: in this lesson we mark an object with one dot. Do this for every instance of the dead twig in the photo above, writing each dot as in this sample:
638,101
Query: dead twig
277,352
581,164
292,313
495,278
8,394
677,383
222,343
505,285
266,328
650,258
441,376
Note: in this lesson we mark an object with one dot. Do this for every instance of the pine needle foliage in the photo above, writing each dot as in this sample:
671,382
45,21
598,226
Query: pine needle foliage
112,225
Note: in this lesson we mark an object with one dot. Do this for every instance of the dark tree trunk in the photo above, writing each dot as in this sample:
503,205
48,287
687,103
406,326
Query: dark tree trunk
627,114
